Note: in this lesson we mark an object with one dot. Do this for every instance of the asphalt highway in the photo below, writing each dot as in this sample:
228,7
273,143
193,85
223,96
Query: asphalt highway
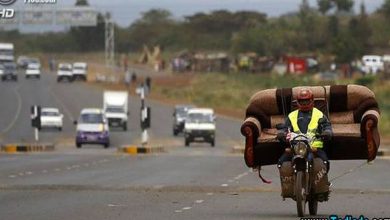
196,182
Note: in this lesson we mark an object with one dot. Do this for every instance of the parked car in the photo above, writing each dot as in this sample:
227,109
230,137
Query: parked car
9,72
372,64
65,71
80,71
33,70
199,126
179,116
92,128
51,118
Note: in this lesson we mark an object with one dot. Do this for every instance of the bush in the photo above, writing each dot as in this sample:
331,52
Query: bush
365,80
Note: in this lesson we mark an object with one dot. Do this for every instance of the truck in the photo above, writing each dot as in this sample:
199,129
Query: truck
115,106
6,52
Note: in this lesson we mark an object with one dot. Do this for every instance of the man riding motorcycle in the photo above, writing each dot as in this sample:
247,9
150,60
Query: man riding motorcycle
307,120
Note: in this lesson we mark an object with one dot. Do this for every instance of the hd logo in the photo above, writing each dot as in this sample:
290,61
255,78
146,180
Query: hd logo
7,13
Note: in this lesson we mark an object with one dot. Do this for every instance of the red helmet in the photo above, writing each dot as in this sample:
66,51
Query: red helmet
305,99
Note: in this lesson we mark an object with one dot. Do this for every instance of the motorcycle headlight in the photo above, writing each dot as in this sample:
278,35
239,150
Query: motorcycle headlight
300,148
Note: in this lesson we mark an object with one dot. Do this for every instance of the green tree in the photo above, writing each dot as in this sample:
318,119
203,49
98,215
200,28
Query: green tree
385,9
324,6
344,5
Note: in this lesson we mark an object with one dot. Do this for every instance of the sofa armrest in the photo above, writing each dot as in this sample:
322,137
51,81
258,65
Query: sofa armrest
370,132
251,129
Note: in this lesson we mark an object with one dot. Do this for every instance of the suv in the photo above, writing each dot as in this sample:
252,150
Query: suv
92,128
80,71
179,115
33,70
64,72
199,126
9,72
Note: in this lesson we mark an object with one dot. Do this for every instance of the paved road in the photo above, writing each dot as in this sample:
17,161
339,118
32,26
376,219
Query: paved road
198,182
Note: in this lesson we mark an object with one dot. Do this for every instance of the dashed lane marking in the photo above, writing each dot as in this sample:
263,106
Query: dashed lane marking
199,201
12,176
225,185
187,208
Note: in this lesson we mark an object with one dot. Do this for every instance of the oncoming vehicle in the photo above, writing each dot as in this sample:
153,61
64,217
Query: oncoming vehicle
64,72
372,64
92,128
33,70
51,118
199,126
9,72
115,106
80,71
179,115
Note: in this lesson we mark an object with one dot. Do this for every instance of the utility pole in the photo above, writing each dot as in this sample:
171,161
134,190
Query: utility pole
109,41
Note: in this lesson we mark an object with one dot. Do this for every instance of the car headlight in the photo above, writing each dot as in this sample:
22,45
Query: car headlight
103,134
300,148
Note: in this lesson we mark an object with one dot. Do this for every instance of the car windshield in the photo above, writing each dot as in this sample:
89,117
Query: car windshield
65,68
200,118
49,113
33,66
78,67
114,109
91,118
182,111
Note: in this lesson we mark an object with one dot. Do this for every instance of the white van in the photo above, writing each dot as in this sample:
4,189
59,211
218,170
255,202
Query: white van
372,64
115,106
80,71
199,126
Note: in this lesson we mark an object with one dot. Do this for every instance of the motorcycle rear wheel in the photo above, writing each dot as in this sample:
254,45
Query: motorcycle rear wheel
313,206
300,194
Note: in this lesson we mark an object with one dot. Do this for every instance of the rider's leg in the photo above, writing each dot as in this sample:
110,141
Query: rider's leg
321,154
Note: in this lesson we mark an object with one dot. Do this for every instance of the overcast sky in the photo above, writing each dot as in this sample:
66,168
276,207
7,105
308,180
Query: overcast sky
125,12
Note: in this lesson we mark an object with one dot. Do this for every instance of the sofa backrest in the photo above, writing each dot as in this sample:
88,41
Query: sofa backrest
346,103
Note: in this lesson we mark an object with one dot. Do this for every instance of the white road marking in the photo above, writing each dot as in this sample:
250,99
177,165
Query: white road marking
187,208
210,194
116,205
199,201
29,173
19,108
178,211
225,185
11,176
21,174
240,176
68,168
57,169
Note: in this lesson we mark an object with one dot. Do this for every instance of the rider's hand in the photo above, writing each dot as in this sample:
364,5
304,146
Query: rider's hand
288,136
326,135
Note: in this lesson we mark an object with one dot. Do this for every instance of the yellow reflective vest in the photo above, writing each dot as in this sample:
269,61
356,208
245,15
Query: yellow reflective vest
312,127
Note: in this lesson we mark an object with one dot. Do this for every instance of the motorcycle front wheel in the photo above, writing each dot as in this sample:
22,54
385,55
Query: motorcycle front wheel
300,194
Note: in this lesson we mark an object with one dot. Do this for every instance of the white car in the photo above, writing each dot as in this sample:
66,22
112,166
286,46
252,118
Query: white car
51,118
65,71
80,71
33,70
199,125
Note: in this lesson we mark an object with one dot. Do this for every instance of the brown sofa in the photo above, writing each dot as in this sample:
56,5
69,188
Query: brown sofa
352,109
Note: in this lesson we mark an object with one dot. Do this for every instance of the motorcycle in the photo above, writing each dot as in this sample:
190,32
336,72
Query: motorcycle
309,174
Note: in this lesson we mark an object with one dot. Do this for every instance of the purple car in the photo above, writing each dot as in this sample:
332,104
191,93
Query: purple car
92,128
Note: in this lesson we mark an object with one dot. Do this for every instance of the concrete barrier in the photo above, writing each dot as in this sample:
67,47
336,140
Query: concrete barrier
134,149
27,147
